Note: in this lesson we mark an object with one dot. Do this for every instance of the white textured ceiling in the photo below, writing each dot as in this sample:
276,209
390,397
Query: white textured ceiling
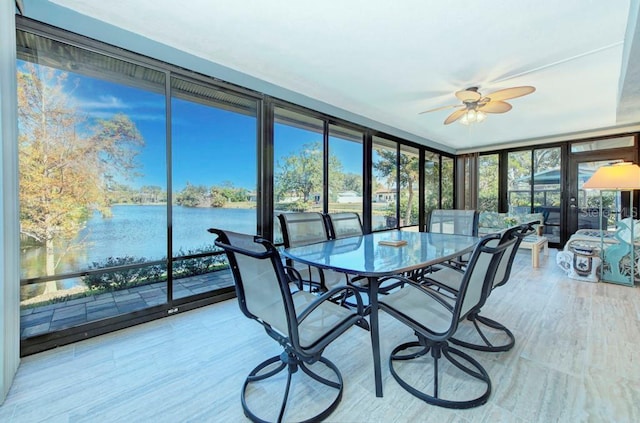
386,61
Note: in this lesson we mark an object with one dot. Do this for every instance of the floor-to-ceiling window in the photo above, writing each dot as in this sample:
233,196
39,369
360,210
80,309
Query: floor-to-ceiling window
345,170
92,162
547,189
298,176
384,209
447,189
488,178
409,185
431,181
519,181
213,179
125,161
100,238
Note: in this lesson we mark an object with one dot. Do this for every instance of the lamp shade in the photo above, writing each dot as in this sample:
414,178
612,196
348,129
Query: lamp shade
619,176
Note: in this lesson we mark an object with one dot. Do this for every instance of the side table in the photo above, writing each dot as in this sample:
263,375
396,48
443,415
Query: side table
536,244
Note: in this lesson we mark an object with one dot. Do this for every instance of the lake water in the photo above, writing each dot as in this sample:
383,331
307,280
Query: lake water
141,231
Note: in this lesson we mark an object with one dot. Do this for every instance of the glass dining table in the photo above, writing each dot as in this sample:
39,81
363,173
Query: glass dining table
381,254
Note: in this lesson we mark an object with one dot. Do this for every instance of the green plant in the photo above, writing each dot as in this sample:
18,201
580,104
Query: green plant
122,278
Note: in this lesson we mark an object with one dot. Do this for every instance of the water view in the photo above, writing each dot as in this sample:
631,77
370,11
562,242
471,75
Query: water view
140,231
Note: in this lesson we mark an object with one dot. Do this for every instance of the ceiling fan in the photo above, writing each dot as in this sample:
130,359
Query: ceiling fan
475,106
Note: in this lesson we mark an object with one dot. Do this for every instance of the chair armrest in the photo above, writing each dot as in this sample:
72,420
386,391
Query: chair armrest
327,296
439,297
294,276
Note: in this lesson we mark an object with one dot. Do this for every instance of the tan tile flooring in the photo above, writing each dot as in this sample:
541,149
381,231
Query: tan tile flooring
576,359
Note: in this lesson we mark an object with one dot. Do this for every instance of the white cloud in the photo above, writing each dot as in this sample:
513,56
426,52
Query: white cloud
103,102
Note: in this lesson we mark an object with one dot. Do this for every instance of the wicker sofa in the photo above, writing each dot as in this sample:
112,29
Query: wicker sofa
612,251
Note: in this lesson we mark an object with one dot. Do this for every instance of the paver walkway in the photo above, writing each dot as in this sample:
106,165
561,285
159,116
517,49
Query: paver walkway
66,314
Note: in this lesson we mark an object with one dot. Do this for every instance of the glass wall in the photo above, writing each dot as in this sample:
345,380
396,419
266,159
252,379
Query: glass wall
409,185
431,182
345,170
488,177
93,193
547,189
214,173
384,210
447,187
298,151
519,181
126,161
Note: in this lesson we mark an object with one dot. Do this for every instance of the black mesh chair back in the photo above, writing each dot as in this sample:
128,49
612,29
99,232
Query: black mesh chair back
302,228
301,322
493,336
459,222
503,272
306,228
343,225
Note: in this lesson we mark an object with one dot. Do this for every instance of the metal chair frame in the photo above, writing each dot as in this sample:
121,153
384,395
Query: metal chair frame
242,249
414,304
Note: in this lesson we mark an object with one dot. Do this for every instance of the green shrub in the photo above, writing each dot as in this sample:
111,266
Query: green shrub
123,278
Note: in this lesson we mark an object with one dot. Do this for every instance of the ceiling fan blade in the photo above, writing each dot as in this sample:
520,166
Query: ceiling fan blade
455,116
509,93
468,95
495,107
441,108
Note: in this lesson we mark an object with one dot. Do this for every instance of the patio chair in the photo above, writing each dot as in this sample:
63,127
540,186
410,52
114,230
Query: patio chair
343,225
459,222
303,323
434,318
449,280
450,221
303,229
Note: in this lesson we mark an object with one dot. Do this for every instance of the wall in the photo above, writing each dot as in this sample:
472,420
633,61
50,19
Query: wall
9,230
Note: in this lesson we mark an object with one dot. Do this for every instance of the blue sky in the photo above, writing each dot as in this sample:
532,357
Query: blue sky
209,145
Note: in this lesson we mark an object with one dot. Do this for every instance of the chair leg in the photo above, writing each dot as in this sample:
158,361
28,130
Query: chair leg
488,346
291,363
441,351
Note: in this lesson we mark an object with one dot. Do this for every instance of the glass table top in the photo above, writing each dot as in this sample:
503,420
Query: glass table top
364,255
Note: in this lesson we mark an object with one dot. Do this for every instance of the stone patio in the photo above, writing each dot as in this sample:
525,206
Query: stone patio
65,314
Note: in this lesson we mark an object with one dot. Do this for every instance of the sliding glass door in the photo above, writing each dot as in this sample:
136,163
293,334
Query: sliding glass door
583,206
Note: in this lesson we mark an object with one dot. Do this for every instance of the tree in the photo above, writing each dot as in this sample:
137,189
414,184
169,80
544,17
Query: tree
66,160
152,194
301,173
488,182
387,168
353,182
192,196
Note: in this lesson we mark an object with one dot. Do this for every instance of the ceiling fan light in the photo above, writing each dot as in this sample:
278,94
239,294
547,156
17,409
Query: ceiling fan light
472,116
464,120
480,116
